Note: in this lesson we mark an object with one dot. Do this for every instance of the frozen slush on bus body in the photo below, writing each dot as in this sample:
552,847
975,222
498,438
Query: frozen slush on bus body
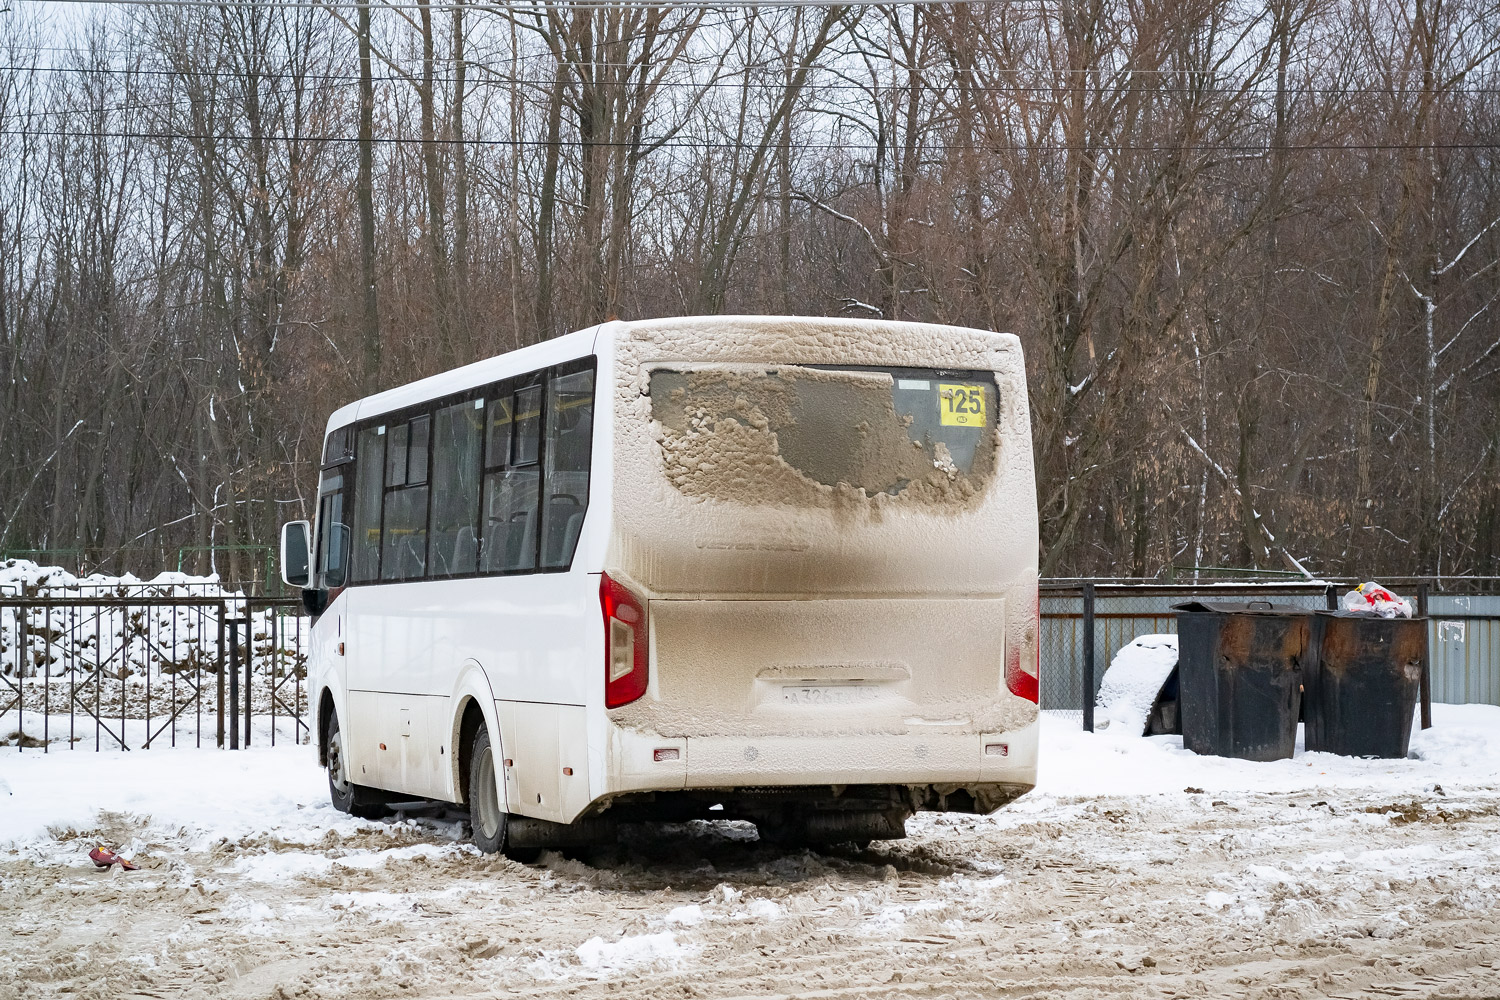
767,568
799,434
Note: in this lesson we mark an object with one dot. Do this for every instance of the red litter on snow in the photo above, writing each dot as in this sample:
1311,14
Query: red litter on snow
104,857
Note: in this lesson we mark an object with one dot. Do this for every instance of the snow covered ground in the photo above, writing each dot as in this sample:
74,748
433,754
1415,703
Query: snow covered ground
1135,867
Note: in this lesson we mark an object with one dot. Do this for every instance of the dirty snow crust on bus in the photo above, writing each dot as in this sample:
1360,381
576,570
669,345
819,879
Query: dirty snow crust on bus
853,522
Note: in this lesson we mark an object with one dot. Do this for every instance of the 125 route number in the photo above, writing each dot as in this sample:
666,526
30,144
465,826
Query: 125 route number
961,405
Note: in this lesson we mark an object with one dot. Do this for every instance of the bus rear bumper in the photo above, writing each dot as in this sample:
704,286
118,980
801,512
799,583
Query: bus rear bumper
978,768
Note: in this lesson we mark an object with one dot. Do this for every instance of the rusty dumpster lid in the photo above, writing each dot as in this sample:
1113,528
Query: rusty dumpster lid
1241,608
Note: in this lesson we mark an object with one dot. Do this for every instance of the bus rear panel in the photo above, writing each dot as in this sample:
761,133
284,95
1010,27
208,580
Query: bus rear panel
831,528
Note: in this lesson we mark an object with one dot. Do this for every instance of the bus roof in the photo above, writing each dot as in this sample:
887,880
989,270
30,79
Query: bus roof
564,348
583,342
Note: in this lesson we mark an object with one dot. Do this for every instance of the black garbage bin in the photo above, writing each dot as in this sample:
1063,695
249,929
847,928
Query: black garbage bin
1240,675
1362,683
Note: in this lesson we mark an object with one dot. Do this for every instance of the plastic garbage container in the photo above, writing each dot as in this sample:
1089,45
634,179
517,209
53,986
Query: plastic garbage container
1240,672
1363,682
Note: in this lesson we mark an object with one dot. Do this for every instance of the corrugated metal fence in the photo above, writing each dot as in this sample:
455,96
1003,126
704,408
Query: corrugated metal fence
1464,631
1464,639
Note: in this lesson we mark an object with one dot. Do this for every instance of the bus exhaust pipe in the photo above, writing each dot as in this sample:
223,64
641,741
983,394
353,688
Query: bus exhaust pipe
833,826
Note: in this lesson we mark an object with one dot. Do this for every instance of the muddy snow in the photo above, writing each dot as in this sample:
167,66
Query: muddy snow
1135,868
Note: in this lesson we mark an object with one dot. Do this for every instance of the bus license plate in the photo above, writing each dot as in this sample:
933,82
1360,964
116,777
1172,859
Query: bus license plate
828,694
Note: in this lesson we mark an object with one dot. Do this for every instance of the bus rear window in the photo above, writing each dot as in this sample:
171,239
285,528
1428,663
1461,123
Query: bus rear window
800,434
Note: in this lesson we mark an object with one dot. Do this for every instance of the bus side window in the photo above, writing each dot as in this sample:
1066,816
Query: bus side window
455,490
528,434
497,444
333,534
339,448
570,427
510,516
369,474
416,460
403,552
395,456
509,510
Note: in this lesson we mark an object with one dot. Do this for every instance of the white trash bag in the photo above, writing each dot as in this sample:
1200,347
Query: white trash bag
1372,598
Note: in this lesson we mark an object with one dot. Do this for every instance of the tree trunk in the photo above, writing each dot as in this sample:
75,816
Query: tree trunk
364,187
432,175
460,190
547,205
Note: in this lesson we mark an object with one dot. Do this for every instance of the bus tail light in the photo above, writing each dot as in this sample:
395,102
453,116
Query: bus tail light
625,644
1026,648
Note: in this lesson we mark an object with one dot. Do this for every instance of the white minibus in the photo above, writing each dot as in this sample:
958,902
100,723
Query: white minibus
764,568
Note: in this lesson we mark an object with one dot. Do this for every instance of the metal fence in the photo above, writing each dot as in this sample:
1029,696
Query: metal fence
1084,623
1464,639
140,670
136,667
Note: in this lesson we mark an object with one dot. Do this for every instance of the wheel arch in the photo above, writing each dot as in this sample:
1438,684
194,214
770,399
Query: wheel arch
473,706
326,711
468,719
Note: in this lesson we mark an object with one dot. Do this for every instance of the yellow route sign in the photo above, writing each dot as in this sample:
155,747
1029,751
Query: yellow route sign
961,405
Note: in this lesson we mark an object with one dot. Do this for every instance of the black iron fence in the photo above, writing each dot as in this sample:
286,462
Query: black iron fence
135,671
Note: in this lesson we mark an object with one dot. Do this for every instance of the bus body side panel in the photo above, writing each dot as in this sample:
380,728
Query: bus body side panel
548,745
417,652
530,637
326,660
390,671
588,563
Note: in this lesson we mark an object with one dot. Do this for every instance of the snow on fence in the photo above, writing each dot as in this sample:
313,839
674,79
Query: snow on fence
121,662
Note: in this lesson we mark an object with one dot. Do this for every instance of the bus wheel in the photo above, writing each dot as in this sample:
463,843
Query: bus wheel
485,815
347,797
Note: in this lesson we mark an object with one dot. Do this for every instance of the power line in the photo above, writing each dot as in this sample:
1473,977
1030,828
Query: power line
185,104
1261,148
522,6
1116,71
1229,87
545,56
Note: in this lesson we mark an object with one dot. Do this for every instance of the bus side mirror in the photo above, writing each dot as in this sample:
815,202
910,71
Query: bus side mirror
294,554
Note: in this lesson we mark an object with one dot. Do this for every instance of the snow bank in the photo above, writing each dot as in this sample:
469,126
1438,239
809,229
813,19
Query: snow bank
1132,682
22,577
1462,748
208,793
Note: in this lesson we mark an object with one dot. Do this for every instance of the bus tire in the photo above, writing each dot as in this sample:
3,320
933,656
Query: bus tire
347,797
487,819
